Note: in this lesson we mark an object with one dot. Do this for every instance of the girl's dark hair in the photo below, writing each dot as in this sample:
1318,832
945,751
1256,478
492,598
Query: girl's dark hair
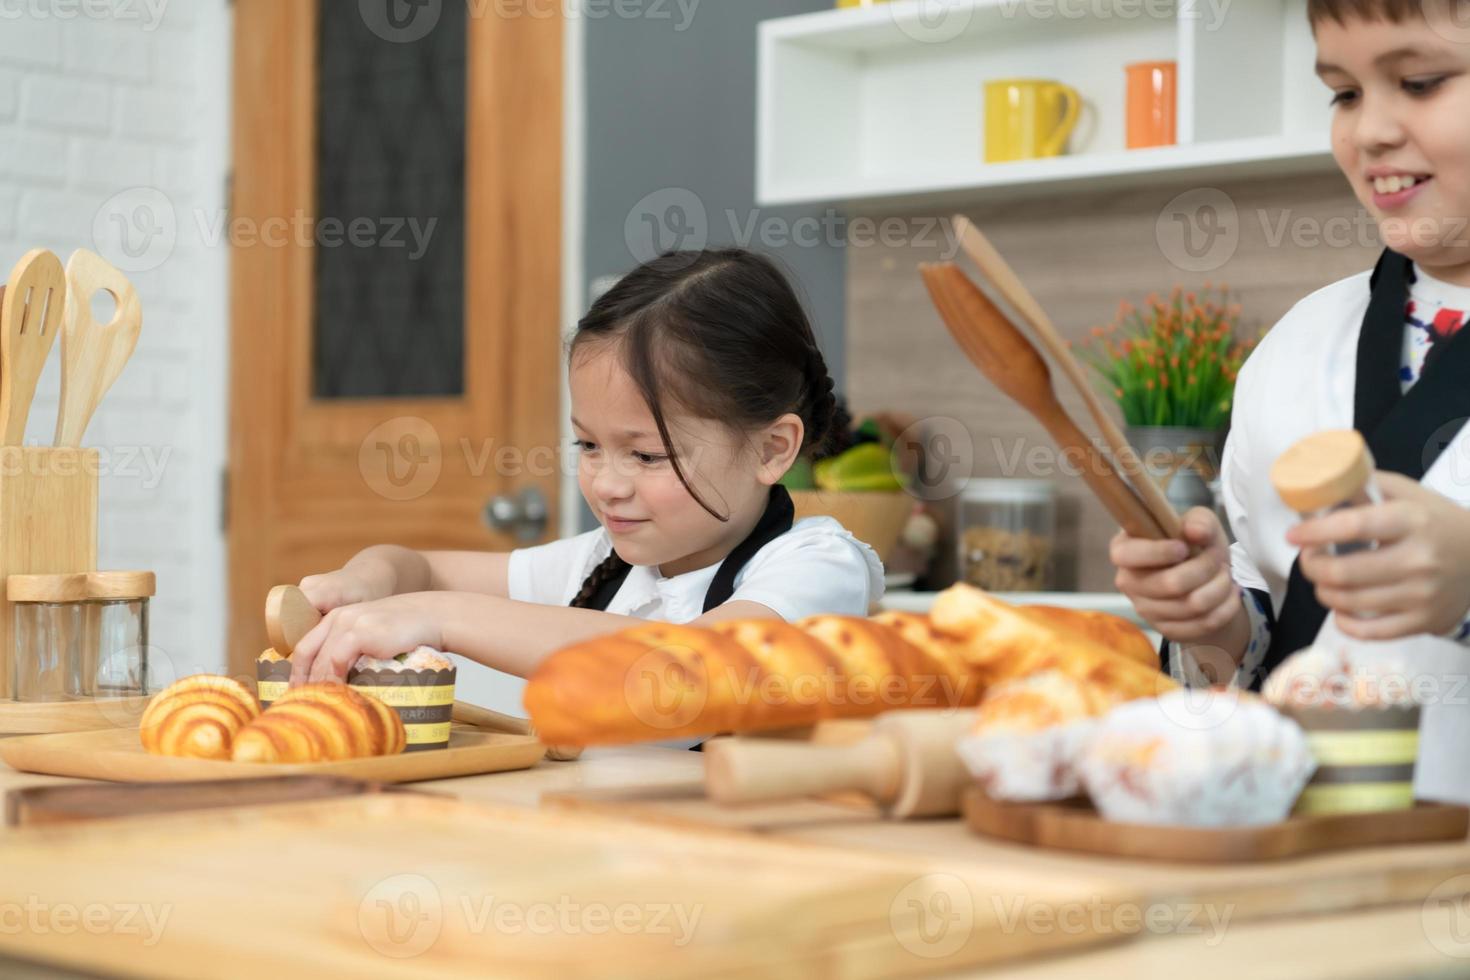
1393,11
721,334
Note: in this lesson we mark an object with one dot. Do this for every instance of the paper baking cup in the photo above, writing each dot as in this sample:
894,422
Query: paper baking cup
272,677
424,700
1365,758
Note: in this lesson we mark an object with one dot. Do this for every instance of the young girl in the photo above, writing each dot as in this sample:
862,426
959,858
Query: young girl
1383,353
695,383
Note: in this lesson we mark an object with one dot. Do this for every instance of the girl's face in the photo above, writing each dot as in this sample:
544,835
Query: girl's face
1401,131
630,484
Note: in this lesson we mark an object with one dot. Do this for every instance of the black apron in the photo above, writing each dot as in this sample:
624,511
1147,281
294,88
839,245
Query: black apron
779,515
1405,431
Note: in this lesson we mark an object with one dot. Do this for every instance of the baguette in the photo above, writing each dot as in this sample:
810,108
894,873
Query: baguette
663,681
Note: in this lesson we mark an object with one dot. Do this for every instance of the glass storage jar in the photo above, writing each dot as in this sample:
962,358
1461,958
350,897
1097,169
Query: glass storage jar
80,635
1006,533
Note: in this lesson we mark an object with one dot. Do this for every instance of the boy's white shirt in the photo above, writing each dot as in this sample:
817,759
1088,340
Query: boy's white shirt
1300,380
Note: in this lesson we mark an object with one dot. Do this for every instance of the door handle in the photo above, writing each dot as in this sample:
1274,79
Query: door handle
523,515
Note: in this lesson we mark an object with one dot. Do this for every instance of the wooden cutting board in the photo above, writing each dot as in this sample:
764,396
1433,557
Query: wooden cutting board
116,755
408,885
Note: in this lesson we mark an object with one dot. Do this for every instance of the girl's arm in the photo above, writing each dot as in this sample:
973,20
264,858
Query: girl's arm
386,570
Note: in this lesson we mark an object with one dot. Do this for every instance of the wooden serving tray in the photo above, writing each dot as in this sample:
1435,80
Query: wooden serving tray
1074,825
116,755
46,717
43,805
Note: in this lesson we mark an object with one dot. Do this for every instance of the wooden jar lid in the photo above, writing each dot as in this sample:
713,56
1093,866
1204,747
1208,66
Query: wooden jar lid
1323,470
80,586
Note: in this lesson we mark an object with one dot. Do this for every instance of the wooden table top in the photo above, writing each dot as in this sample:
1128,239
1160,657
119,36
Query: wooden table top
1224,940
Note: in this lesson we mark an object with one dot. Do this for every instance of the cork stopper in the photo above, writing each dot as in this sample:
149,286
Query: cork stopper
1323,470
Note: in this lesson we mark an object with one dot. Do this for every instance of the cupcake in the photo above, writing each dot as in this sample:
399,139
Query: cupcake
1362,723
272,676
419,685
1028,735
1236,762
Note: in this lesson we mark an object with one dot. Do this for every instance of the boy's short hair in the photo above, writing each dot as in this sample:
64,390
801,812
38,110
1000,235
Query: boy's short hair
1393,11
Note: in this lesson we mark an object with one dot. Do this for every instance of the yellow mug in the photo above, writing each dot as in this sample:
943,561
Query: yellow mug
1027,118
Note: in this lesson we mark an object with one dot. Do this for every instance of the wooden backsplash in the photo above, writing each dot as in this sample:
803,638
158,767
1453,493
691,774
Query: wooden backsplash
1080,255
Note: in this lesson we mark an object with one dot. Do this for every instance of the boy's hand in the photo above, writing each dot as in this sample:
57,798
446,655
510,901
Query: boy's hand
380,628
358,582
1418,578
1187,599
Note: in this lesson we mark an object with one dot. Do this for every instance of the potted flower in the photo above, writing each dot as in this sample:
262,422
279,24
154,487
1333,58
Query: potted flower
1171,366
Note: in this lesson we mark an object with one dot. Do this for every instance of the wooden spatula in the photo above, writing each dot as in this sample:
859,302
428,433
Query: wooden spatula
30,318
1007,358
289,616
1009,285
92,354
908,765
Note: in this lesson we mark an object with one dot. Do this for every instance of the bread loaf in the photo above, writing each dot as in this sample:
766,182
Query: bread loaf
660,681
320,723
197,717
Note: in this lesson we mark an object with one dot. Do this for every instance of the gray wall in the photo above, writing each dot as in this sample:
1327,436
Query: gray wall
671,140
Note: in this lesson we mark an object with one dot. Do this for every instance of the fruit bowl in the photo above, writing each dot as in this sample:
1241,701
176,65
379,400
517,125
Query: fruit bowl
874,517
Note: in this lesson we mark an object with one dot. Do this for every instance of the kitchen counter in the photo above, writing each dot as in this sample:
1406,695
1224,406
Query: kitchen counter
1405,939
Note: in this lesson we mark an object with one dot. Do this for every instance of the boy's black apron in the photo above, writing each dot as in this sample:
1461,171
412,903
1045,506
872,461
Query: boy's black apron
779,515
1405,431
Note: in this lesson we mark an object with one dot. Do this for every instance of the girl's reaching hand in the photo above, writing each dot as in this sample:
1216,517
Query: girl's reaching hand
381,628
1418,578
359,581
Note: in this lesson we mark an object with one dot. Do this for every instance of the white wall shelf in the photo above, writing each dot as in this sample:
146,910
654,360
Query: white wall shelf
884,105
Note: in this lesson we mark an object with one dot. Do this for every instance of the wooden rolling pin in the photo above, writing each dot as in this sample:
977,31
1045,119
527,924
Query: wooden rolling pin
908,765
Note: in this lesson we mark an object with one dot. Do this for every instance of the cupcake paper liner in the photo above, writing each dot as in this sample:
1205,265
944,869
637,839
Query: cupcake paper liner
1027,767
424,700
1365,758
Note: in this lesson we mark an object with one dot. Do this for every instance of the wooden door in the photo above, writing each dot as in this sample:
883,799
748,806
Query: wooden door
372,400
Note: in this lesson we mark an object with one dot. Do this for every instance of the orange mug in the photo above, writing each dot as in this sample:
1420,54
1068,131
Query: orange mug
1152,88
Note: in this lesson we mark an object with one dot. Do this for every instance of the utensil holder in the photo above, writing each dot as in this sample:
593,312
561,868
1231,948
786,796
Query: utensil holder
48,525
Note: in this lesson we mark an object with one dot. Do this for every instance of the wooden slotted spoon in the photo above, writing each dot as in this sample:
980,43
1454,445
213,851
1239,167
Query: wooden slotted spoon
93,354
30,318
1014,366
1009,285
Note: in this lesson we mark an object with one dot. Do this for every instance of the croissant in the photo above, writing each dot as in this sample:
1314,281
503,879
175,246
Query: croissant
197,717
660,681
321,723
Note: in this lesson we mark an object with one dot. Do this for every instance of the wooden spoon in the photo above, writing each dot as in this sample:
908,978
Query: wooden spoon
30,319
289,616
1007,358
998,271
92,354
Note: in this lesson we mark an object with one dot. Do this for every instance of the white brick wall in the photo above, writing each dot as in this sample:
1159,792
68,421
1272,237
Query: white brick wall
115,115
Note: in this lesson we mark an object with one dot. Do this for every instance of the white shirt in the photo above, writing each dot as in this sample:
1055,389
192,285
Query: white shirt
816,567
1301,380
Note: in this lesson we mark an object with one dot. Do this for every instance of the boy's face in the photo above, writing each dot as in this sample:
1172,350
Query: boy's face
1401,131
624,471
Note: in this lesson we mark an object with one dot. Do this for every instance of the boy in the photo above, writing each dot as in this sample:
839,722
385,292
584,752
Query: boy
1380,352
